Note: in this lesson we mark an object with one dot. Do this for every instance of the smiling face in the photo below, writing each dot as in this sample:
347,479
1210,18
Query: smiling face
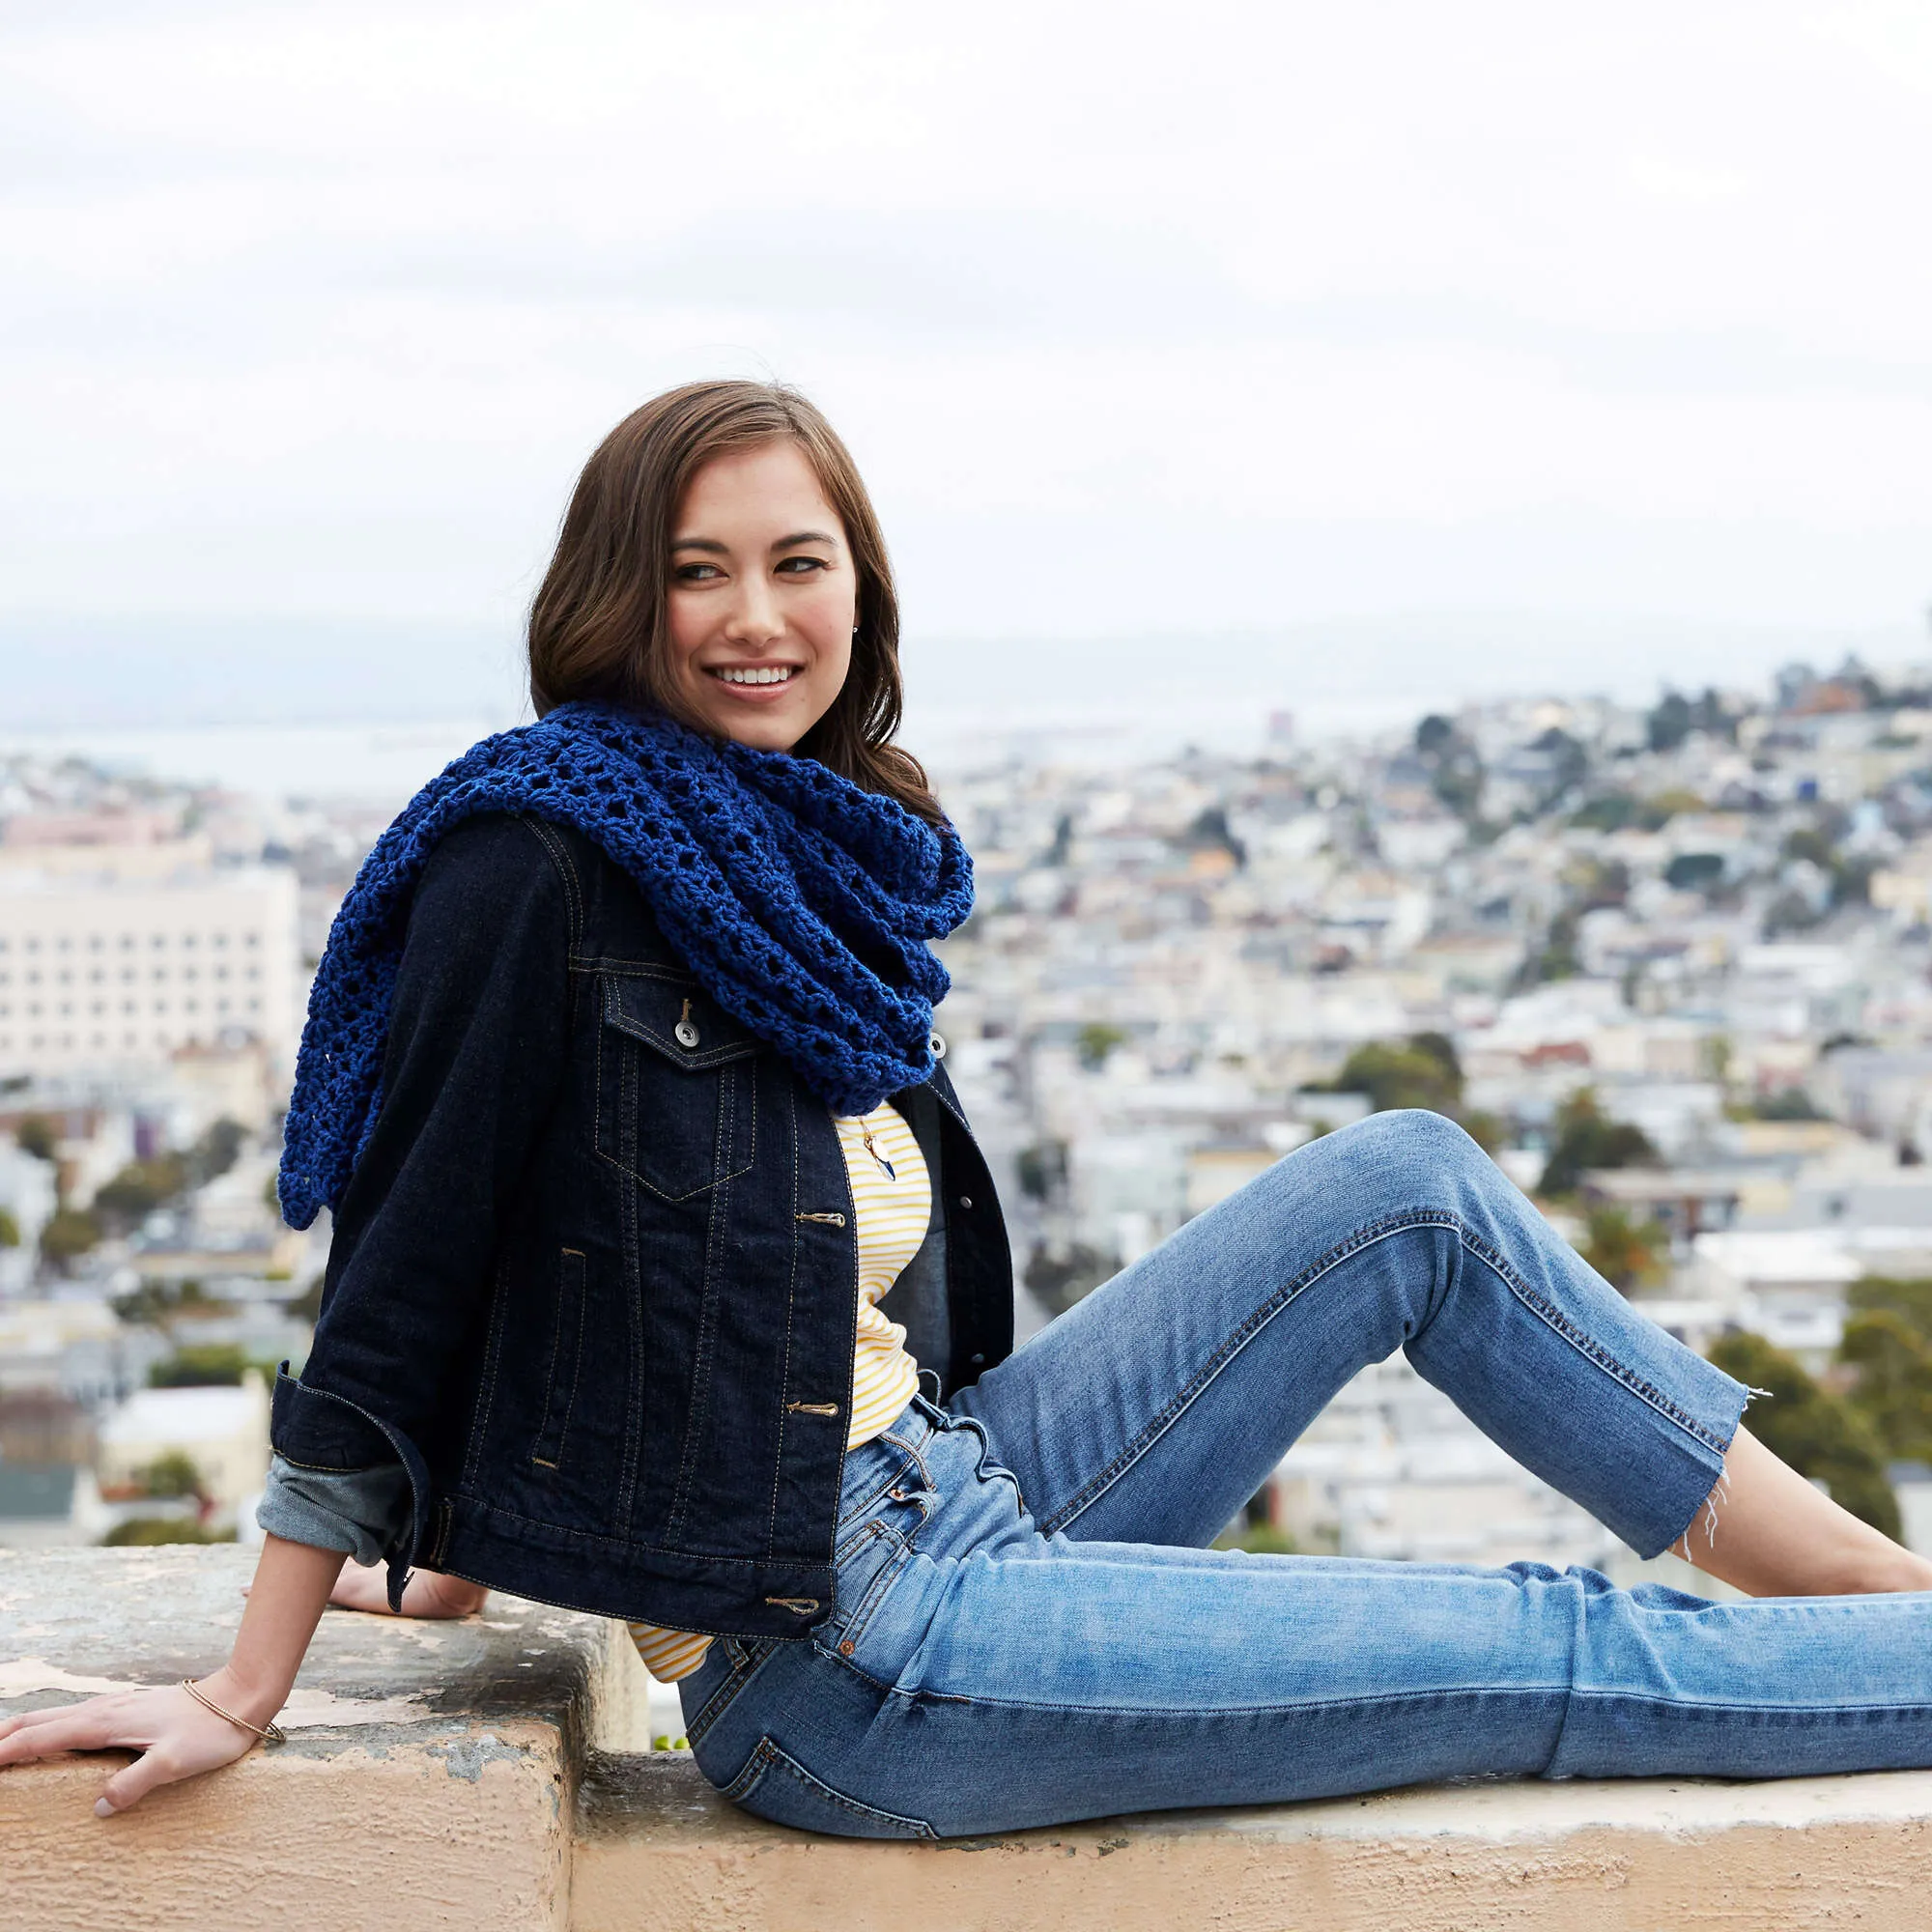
763,597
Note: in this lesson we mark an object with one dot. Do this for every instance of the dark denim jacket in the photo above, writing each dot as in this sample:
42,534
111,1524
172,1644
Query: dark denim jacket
593,1282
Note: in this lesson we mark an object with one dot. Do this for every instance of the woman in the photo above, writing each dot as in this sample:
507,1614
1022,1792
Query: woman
654,1205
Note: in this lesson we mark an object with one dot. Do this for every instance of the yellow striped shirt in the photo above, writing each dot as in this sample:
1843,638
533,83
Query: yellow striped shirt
892,1201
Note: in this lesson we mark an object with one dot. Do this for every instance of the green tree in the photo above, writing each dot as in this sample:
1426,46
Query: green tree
171,1474
10,1229
201,1365
1820,1434
126,1201
1095,1041
1789,1103
1556,957
1894,1384
1607,812
1057,1281
1586,1137
1669,724
147,1531
1455,767
69,1234
1569,759
1042,1167
1909,1298
1661,808
1422,1072
217,1151
157,1302
35,1135
1257,1539
1628,1254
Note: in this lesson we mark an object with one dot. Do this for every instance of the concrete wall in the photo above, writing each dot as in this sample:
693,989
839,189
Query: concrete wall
483,1773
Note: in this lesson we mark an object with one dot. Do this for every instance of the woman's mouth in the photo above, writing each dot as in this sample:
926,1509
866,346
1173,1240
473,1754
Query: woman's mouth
753,677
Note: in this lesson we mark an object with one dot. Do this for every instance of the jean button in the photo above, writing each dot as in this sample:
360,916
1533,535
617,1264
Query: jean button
845,1647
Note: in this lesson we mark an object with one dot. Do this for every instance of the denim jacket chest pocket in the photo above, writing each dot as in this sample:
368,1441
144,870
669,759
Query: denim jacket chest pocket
675,1084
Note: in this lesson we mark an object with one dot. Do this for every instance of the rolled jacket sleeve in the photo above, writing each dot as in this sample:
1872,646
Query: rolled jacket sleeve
477,1039
359,1511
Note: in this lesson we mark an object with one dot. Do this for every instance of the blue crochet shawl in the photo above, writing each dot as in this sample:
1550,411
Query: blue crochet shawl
803,902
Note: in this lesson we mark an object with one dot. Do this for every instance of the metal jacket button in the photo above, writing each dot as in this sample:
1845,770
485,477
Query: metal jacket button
687,1034
937,1043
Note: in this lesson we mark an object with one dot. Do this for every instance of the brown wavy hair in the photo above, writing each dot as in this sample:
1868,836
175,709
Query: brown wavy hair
598,625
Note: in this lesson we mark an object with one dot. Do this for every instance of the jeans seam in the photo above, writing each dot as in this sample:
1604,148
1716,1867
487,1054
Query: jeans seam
1592,1350
770,1756
1363,1237
1142,1712
875,1591
724,1697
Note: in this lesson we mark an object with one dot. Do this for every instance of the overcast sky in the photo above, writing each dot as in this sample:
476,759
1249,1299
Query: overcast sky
1153,320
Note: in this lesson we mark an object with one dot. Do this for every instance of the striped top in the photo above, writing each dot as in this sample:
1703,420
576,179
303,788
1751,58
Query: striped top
892,1201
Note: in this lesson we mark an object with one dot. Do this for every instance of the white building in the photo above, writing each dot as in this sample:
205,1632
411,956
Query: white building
223,1431
103,970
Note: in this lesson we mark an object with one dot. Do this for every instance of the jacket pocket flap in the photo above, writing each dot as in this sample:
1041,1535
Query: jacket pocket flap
676,1017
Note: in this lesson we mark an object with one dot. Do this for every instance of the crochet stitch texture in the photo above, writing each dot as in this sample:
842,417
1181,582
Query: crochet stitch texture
801,901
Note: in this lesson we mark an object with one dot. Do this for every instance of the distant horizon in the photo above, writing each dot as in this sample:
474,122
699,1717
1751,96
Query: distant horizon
372,711
66,673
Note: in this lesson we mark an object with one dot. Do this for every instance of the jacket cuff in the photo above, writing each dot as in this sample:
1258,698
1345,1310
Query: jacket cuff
353,1510
329,1435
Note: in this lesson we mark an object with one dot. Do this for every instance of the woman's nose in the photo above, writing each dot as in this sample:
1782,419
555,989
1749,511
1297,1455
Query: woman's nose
754,618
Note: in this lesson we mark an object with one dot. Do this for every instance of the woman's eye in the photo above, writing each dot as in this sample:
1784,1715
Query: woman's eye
696,573
800,566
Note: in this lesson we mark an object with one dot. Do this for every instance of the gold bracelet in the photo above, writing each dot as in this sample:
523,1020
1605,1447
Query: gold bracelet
270,1733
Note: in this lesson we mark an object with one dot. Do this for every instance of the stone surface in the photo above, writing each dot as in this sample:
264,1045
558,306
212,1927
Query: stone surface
658,1849
429,1772
450,1774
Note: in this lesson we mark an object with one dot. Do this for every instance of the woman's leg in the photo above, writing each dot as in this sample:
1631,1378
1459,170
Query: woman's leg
978,1676
1055,1645
1199,1366
1782,1538
1152,1410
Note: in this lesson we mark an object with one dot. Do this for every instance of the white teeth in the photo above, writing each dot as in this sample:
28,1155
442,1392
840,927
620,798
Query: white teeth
763,674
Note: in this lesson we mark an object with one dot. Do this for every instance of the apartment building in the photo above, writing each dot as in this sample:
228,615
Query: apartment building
112,965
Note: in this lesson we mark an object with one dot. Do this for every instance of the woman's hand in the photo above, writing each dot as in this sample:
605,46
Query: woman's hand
176,1736
427,1594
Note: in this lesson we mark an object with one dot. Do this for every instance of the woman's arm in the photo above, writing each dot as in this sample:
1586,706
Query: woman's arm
175,1736
477,1044
478,1033
358,1512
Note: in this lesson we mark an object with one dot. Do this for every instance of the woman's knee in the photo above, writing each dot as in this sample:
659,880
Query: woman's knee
1392,1163
1415,1139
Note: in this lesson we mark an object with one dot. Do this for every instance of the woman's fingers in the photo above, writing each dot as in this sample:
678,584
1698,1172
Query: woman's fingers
35,1734
30,1720
176,1736
133,1783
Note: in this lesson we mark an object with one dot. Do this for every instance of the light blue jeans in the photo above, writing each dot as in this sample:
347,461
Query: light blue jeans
1029,1629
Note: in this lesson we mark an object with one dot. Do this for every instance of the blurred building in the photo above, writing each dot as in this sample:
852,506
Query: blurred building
126,953
225,1432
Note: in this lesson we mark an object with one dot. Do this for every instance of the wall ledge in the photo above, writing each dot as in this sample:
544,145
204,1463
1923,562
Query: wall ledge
464,1774
658,1849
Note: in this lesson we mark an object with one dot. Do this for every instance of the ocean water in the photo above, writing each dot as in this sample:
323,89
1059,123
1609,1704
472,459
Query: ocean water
378,763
